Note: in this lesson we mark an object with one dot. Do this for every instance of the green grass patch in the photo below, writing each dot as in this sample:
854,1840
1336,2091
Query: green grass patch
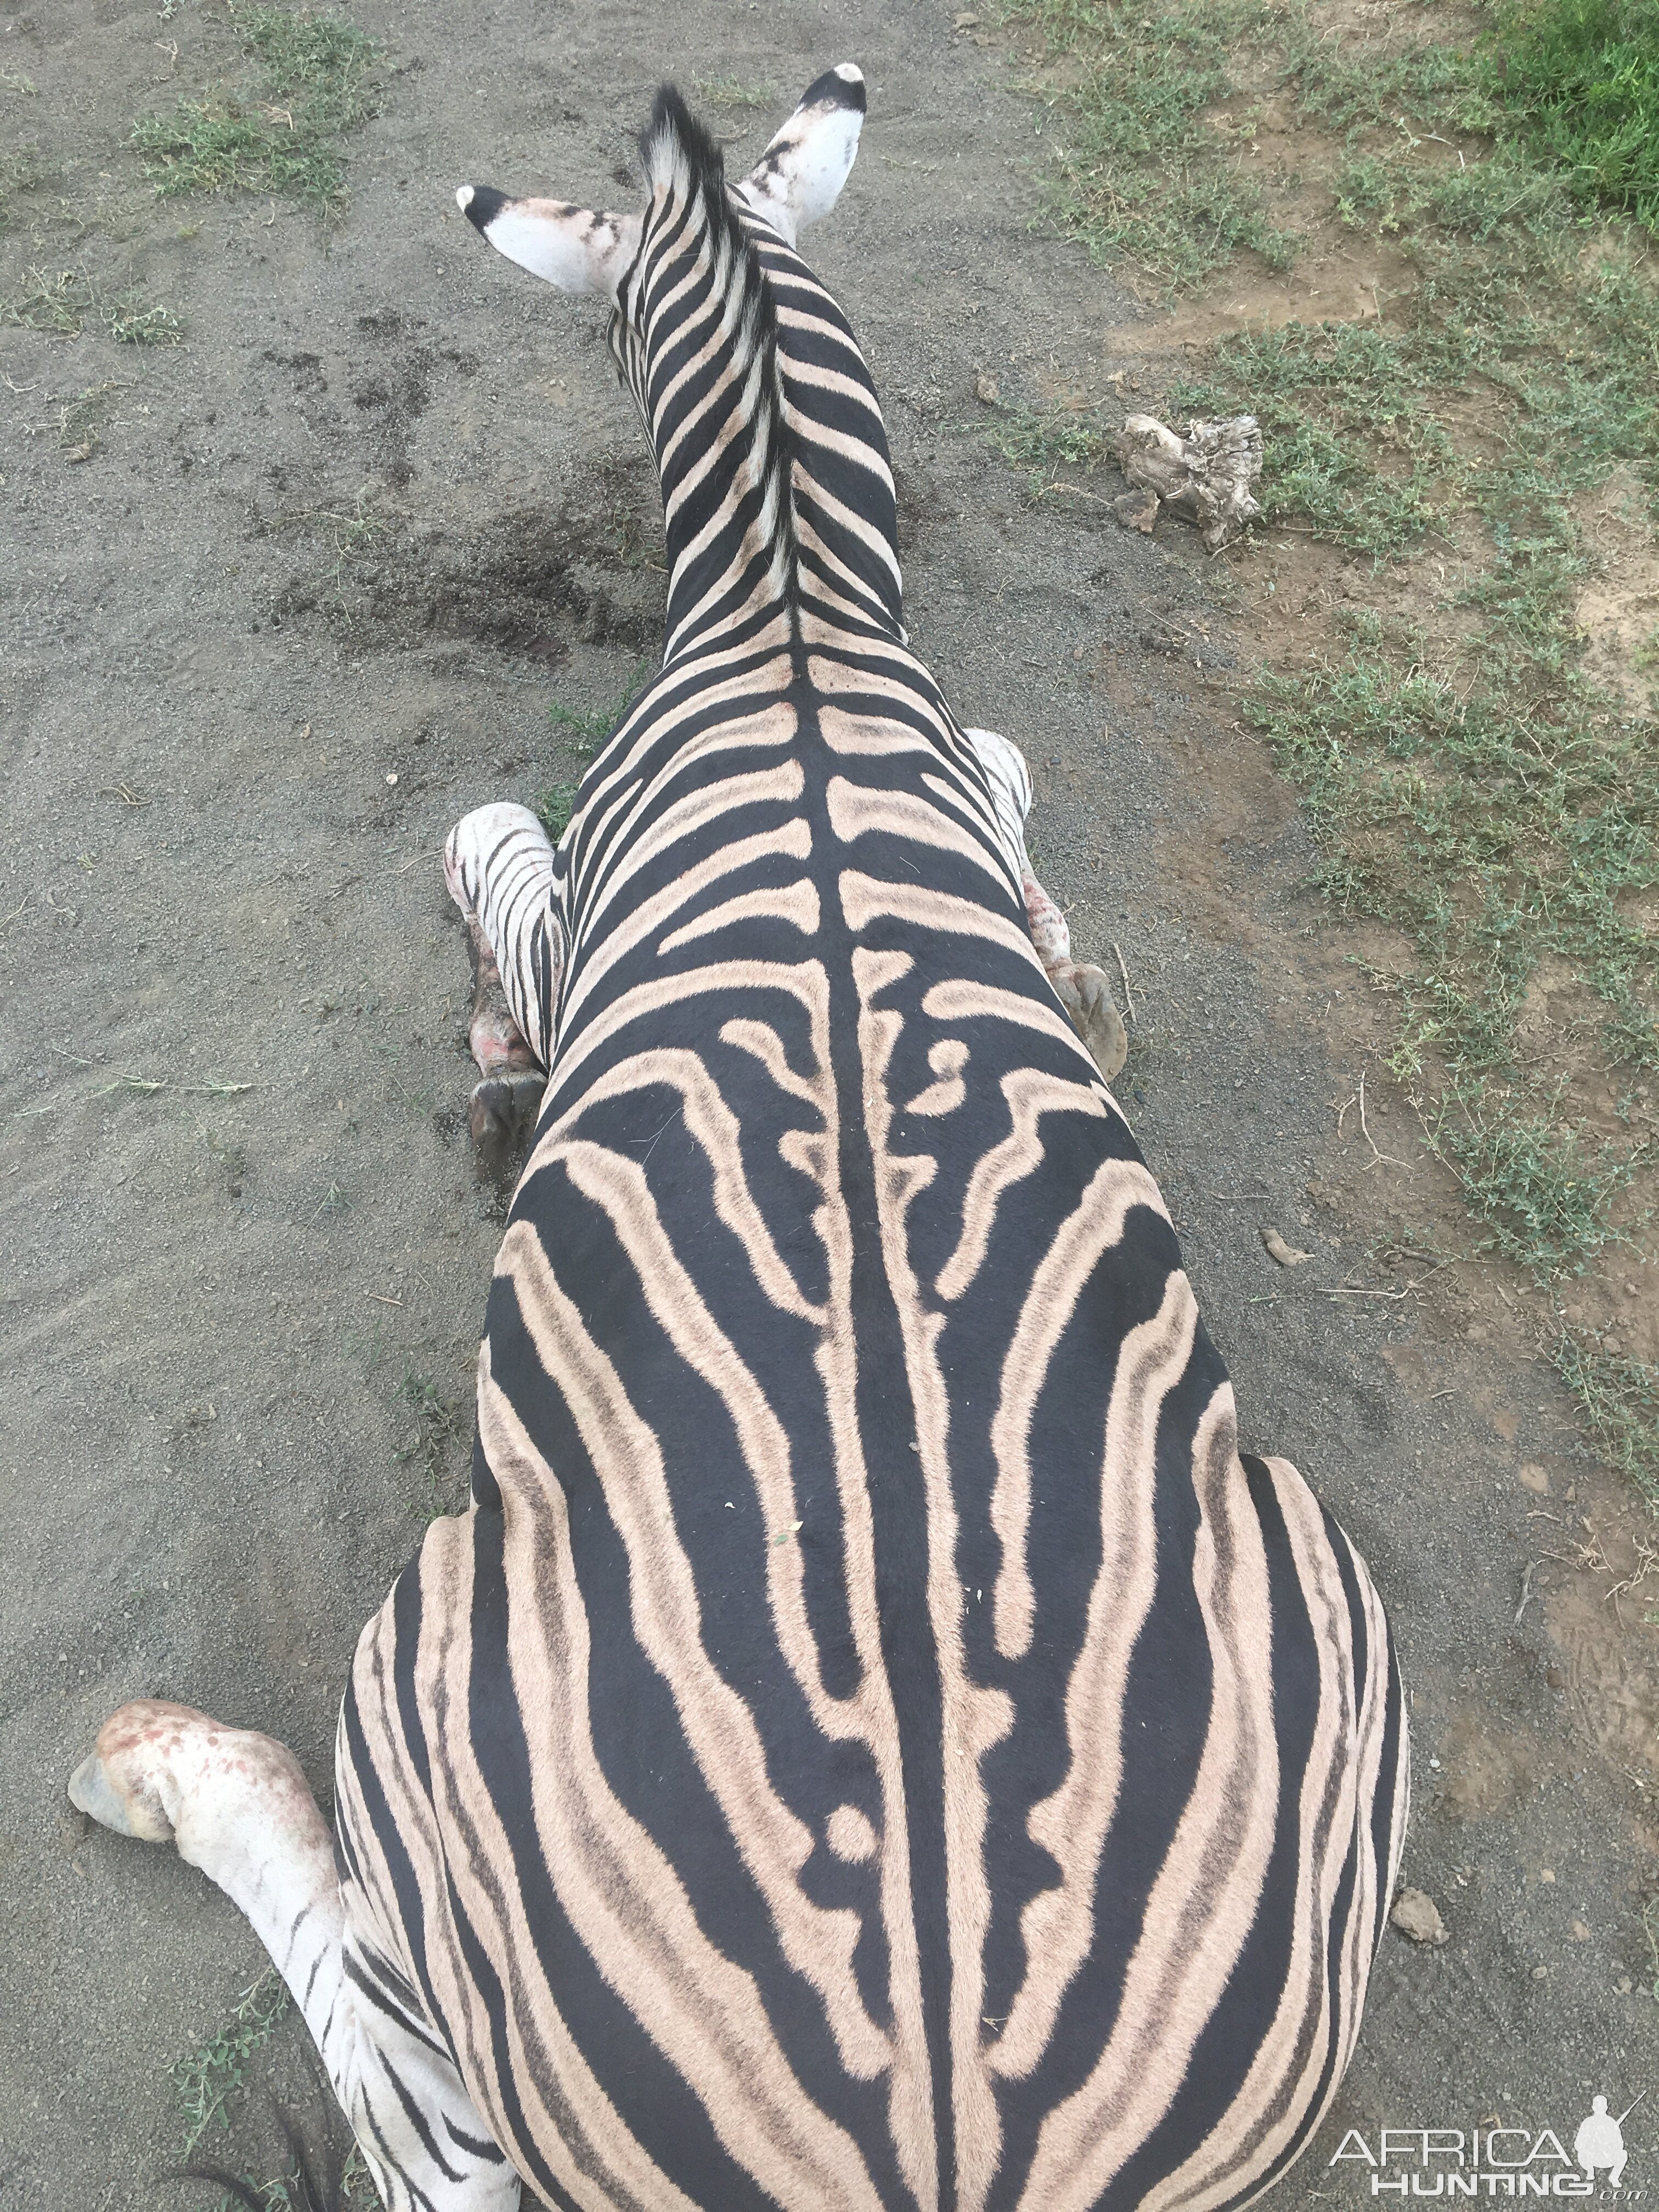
1466,782
1534,1178
733,92
1581,79
280,134
439,1422
1140,168
1493,835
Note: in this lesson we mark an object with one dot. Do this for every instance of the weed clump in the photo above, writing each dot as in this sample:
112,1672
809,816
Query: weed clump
587,728
554,808
282,137
63,301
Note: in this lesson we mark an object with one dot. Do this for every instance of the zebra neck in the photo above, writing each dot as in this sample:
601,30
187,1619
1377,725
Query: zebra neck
785,513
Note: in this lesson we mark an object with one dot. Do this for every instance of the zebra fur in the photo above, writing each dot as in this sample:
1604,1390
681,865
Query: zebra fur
872,1741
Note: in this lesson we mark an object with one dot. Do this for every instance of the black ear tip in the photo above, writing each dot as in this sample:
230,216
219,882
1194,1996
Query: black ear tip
480,204
842,87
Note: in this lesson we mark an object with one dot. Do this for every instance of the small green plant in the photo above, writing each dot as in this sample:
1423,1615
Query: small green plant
57,300
1619,1398
281,136
130,324
589,727
212,2078
1066,438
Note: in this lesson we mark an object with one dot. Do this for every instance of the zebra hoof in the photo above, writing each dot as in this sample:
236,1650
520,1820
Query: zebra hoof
502,1115
127,1782
1087,998
92,1792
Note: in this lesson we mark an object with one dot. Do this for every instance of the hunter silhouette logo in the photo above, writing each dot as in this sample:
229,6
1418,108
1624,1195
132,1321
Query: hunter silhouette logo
1601,2141
1494,2161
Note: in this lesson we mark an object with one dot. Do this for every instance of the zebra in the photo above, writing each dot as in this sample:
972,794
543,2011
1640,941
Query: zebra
872,1739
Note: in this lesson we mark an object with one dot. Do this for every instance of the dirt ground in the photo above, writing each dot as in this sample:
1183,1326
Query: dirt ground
304,598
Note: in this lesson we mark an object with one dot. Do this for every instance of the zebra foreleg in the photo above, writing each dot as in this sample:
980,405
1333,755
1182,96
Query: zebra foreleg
499,865
1081,987
237,1805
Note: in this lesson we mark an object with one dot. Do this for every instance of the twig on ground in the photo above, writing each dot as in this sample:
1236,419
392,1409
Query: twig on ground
1377,1159
1526,1591
1129,995
147,1085
386,874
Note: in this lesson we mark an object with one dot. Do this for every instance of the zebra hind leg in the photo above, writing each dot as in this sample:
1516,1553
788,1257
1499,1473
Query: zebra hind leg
238,1806
498,864
1081,987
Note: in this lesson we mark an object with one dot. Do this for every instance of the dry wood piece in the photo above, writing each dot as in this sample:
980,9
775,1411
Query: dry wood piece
1205,477
1286,1254
1136,510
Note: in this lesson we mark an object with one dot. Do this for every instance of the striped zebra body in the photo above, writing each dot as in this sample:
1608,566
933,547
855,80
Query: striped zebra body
872,1741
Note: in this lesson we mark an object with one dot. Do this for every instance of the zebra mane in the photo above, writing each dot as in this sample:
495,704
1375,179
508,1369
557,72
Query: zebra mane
683,163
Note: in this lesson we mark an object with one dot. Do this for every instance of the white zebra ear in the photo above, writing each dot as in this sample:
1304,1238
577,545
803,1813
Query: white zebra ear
800,176
570,247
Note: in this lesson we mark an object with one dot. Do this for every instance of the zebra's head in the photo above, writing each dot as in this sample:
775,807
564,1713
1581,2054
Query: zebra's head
797,179
720,333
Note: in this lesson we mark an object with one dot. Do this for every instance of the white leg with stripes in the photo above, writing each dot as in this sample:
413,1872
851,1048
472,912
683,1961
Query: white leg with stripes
502,870
1081,987
237,1805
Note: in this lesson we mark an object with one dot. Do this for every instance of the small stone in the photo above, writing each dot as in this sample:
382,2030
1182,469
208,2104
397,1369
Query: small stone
1539,1973
1624,1986
1580,1933
1536,1479
391,776
1546,1874
1572,1494
987,388
967,20
1286,1254
83,451
1417,1915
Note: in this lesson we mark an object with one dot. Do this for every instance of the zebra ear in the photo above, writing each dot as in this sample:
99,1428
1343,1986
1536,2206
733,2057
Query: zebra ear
570,247
800,176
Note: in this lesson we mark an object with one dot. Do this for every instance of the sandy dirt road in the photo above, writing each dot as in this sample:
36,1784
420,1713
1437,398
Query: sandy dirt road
303,601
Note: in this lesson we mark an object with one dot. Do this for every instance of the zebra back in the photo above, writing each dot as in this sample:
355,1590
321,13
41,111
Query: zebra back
873,1741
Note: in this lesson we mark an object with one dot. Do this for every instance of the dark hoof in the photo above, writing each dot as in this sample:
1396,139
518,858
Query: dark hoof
502,1116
